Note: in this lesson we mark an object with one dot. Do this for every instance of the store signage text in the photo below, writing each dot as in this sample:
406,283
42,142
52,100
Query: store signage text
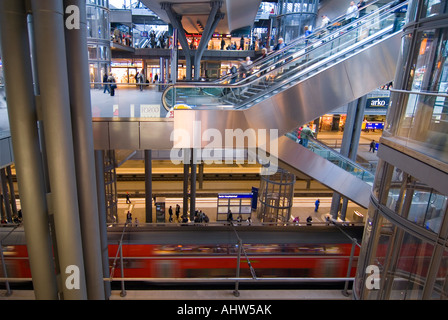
382,102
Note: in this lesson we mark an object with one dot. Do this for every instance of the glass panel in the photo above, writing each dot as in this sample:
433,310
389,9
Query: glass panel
427,209
424,120
394,198
336,158
434,7
411,269
440,290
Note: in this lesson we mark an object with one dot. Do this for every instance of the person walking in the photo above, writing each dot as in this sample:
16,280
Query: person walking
316,205
105,82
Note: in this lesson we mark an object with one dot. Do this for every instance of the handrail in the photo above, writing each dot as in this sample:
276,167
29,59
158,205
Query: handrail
303,39
367,176
294,58
424,93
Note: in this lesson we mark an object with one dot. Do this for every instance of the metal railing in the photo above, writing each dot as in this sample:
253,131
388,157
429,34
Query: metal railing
336,158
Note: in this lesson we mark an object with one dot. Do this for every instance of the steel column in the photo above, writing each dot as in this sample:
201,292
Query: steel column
51,56
102,213
193,183
175,20
212,21
78,77
28,162
148,185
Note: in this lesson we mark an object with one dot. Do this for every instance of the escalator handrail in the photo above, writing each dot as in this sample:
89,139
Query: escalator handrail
359,23
303,39
336,154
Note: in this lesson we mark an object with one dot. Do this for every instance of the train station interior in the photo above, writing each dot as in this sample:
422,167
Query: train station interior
224,150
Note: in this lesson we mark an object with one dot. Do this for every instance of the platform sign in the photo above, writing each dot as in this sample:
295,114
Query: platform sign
237,203
375,125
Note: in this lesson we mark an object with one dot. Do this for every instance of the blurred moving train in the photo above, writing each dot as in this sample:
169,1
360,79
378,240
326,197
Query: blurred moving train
211,251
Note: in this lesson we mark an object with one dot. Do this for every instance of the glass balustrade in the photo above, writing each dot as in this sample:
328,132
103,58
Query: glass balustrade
336,158
285,69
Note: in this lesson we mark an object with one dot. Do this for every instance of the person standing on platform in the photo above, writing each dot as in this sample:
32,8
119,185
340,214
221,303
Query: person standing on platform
129,217
229,216
170,212
309,220
372,146
316,205
128,199
177,212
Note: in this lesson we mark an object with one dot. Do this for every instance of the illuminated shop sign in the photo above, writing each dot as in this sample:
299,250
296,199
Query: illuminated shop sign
377,103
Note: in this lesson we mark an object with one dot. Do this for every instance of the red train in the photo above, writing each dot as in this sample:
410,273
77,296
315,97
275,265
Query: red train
220,261
211,252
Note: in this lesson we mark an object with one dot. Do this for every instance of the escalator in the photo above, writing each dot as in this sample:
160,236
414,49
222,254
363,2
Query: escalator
295,87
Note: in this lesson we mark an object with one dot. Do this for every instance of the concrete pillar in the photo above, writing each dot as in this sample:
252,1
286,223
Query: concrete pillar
148,185
49,28
24,132
81,115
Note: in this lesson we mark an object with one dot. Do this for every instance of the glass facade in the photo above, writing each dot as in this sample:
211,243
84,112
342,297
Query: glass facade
98,39
421,123
276,195
293,16
407,225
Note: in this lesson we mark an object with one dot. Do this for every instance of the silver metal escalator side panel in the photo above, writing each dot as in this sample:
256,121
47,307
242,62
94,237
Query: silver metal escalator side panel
297,158
6,153
328,89
310,98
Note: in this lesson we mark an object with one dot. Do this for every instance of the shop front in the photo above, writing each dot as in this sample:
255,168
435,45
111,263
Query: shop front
124,70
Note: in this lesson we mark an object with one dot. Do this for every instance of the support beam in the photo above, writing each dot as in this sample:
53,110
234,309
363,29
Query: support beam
102,214
49,28
148,186
175,20
24,132
193,183
212,21
81,115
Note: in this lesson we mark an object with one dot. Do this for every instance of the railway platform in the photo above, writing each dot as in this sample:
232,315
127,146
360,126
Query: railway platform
201,295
